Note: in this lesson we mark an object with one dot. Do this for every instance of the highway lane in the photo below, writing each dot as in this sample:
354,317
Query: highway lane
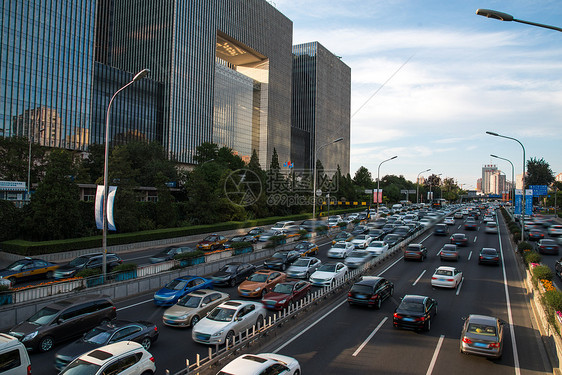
330,345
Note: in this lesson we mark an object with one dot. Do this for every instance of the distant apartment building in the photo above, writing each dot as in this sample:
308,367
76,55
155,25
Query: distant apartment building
479,185
487,172
558,177
497,183
220,71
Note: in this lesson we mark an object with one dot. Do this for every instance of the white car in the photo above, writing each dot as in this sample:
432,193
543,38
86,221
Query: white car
227,320
263,363
361,241
446,277
555,230
491,227
376,248
488,219
357,258
449,221
341,249
425,222
327,274
124,357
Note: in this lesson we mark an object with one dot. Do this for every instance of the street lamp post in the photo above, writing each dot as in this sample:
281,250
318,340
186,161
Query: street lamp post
314,173
512,192
430,185
418,185
140,75
522,180
508,17
379,180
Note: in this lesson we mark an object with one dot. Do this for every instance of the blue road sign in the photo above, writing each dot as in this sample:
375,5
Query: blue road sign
539,190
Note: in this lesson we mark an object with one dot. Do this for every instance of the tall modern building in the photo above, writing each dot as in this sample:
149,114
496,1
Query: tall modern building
487,171
221,71
321,103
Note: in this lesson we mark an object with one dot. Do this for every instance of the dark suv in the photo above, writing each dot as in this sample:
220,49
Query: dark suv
89,261
63,320
370,291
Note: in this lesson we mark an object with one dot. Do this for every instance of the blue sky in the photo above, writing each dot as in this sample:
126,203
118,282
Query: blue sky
466,74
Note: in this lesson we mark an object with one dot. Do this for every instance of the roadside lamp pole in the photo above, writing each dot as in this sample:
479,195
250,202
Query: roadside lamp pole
512,192
140,75
316,149
522,180
379,180
488,13
418,185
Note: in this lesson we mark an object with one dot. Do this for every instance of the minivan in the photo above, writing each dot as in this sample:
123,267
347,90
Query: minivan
14,359
63,320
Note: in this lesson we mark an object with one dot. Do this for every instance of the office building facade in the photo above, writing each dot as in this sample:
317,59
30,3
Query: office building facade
487,171
321,103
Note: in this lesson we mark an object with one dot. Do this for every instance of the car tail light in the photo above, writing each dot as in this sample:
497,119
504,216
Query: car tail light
420,319
152,359
450,279
466,340
481,257
495,345
155,329
433,278
397,316
374,296
496,258
28,369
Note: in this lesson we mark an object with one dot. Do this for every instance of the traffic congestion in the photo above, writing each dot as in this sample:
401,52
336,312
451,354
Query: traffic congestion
450,278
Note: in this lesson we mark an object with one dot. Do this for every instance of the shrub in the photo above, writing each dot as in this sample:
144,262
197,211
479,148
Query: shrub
342,224
542,272
88,272
322,228
125,267
276,240
524,246
553,299
241,245
189,255
4,288
532,257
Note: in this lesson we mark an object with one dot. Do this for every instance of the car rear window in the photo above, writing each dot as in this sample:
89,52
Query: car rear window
489,252
482,329
444,273
363,289
411,306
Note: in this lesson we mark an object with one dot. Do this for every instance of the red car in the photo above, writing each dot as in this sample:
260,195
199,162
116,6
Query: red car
285,294
459,239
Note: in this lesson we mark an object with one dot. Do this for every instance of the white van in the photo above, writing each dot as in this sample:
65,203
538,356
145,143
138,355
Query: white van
14,359
282,225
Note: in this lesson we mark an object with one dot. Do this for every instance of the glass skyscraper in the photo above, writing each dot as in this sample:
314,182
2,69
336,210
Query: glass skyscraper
321,102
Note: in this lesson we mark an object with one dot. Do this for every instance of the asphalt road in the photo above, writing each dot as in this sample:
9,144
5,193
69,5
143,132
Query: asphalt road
329,344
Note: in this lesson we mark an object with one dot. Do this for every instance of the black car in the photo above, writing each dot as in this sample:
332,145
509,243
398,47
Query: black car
415,312
89,261
232,273
392,239
547,246
145,333
376,234
243,238
282,259
402,230
359,229
558,268
441,230
489,255
256,232
169,253
535,235
370,291
388,228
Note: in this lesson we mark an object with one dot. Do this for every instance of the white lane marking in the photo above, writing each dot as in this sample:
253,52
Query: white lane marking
469,255
310,326
459,227
475,237
435,354
134,304
429,235
460,286
511,329
369,337
387,268
419,277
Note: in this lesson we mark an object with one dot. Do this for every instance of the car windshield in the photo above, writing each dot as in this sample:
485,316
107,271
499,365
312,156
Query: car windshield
269,233
258,277
458,236
489,252
283,288
301,246
339,246
43,316
16,266
176,284
97,335
169,251
444,272
279,255
376,244
449,248
301,263
237,239
342,235
411,306
362,289
229,268
413,248
189,301
358,254
548,242
327,268
221,314
81,367
210,238
482,329
78,261
254,231
360,237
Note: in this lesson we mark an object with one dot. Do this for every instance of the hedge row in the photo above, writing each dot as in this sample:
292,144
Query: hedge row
28,248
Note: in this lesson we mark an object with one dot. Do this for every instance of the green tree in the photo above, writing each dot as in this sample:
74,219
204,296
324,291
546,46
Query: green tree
538,173
206,151
14,156
274,165
10,218
55,211
363,178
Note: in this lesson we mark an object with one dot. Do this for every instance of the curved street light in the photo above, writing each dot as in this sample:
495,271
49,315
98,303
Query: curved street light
379,181
314,173
512,192
418,185
140,75
488,13
522,180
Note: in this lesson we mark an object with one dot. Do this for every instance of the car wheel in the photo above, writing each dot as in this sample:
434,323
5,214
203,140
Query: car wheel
391,292
297,372
229,337
46,344
263,293
49,275
232,282
283,267
146,343
379,304
194,320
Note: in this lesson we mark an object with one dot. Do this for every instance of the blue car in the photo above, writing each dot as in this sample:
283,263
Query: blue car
177,288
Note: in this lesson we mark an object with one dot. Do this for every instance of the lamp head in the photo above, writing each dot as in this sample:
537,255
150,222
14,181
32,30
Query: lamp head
488,13
140,75
394,157
338,140
494,134
494,156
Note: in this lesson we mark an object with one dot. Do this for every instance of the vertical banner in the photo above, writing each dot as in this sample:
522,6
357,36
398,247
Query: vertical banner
518,201
528,202
429,195
99,207
377,195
